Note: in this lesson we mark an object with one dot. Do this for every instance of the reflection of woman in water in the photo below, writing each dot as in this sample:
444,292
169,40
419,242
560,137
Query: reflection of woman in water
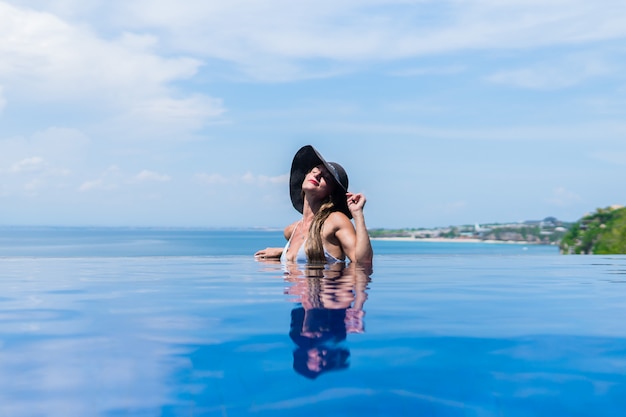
331,301
324,234
318,334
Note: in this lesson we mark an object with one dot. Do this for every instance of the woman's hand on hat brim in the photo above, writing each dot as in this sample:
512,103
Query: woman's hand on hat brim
356,202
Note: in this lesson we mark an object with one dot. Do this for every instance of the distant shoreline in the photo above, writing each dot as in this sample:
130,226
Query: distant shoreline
455,240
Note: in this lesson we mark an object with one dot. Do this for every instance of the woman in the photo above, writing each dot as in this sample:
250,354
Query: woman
324,234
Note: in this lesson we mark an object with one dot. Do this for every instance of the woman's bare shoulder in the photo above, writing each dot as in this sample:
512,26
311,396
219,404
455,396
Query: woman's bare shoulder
339,220
289,229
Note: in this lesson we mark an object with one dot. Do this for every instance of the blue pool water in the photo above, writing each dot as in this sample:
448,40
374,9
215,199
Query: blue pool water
124,322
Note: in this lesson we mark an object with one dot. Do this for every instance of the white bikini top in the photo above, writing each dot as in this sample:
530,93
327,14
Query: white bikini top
301,255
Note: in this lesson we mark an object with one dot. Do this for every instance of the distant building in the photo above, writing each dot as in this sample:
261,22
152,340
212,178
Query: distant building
532,222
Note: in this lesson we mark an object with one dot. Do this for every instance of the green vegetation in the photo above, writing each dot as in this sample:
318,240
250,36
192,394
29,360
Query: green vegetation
531,234
601,233
451,233
389,233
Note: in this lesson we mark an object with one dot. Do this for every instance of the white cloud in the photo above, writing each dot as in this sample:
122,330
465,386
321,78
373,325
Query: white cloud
211,179
247,178
612,131
68,139
250,178
33,185
40,47
108,180
35,163
41,161
30,175
57,145
556,73
146,175
421,71
44,59
47,157
113,178
167,116
91,185
278,38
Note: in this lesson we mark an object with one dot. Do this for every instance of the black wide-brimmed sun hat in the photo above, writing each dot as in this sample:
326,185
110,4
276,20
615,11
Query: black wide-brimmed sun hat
306,159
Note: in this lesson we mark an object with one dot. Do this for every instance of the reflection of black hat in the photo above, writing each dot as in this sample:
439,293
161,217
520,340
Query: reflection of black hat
306,159
331,359
329,324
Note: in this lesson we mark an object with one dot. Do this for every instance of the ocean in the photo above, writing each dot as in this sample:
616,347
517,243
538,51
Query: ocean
185,322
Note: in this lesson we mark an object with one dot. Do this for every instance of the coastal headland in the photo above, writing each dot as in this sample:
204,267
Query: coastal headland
450,240
548,231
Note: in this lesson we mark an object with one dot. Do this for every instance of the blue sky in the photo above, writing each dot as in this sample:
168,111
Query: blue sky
164,113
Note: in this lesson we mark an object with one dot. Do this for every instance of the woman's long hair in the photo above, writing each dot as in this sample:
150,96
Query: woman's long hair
314,247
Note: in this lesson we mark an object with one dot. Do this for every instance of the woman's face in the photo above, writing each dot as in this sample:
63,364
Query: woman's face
318,180
316,359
